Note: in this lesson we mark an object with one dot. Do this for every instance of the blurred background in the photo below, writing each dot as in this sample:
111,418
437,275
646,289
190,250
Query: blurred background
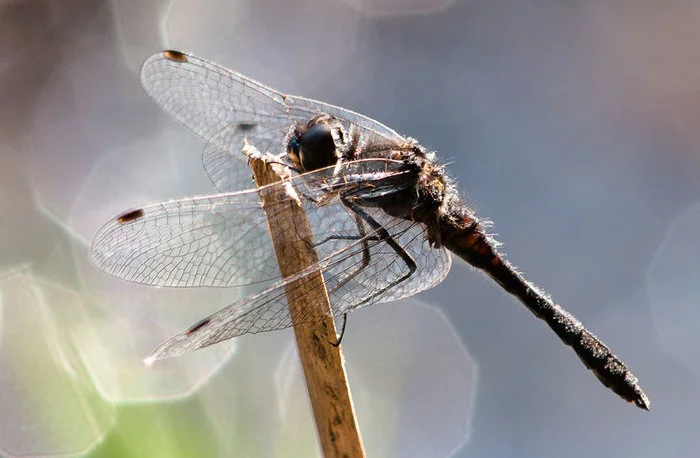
574,126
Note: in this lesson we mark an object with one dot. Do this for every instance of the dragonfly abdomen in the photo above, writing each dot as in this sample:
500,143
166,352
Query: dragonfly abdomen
462,233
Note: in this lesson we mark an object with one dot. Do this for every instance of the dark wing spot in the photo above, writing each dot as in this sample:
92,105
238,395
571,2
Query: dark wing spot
130,216
177,56
245,126
198,326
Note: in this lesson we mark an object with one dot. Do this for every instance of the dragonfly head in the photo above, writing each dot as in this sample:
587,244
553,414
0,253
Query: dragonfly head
317,144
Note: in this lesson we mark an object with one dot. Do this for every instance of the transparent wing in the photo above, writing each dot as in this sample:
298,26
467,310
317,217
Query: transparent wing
224,108
352,279
200,241
222,240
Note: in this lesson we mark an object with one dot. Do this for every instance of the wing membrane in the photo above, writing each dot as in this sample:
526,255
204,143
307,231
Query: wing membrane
222,240
224,107
268,310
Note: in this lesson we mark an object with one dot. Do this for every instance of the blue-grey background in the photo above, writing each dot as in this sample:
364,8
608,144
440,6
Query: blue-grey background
574,126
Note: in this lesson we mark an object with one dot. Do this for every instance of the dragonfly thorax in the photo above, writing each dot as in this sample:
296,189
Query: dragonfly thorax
317,144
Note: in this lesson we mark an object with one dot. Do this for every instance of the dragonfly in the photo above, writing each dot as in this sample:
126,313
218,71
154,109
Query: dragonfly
385,216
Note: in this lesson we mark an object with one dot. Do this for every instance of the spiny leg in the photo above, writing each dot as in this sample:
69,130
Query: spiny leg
342,331
363,238
384,236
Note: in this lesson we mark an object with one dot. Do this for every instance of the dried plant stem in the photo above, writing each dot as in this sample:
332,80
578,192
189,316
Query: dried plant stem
324,371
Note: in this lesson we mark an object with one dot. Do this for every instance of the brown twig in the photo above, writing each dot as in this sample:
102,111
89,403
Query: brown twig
324,371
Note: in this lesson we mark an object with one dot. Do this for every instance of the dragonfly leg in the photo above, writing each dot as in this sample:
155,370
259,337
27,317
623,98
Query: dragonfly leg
384,236
345,237
363,239
342,331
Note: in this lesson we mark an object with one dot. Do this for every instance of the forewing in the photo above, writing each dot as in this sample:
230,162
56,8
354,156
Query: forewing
223,240
218,240
224,108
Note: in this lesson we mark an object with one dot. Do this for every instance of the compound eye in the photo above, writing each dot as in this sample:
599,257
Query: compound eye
318,139
317,147
293,147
